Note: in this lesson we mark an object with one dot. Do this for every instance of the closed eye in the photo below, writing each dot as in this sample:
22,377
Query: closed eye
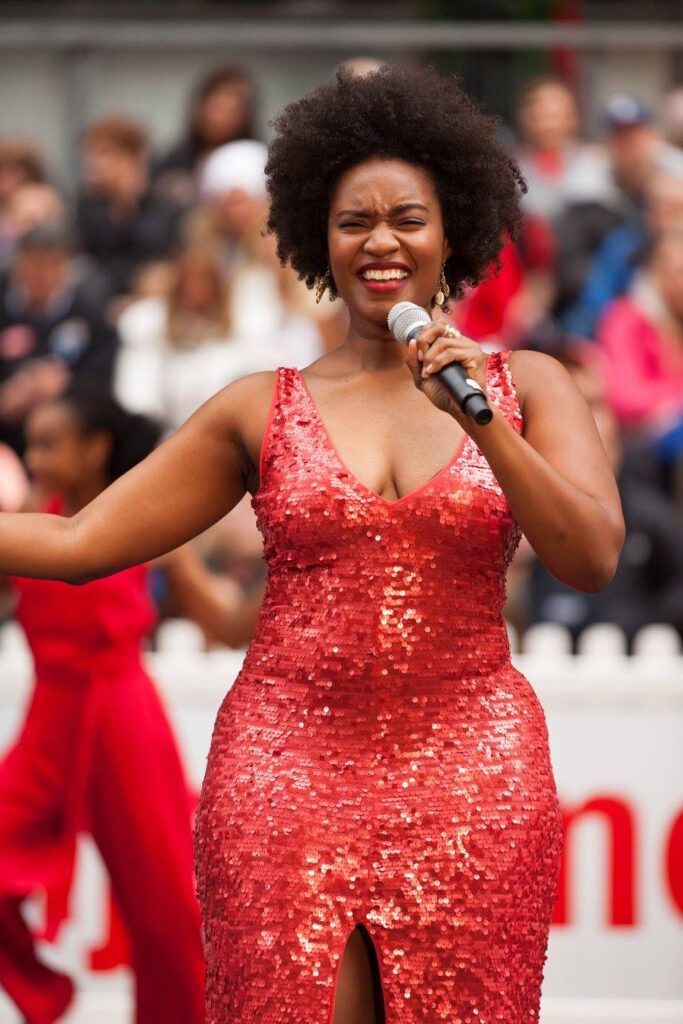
408,221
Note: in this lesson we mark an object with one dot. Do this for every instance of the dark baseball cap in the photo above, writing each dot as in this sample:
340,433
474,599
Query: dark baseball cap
625,111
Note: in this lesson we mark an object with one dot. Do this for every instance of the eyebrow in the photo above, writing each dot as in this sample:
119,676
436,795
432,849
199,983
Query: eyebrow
399,208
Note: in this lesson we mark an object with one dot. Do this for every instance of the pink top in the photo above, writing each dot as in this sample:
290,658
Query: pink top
643,367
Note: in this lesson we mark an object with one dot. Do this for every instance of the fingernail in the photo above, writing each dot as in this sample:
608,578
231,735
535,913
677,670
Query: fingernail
429,367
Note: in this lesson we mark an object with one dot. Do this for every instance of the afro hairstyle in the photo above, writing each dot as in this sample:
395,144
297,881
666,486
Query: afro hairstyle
397,112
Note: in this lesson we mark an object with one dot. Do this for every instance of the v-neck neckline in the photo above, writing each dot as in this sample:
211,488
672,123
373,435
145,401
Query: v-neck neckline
352,476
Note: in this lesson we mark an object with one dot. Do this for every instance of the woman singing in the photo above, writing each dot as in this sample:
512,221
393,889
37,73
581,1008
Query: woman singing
378,835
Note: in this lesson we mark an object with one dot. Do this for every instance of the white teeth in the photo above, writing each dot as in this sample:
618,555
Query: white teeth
384,275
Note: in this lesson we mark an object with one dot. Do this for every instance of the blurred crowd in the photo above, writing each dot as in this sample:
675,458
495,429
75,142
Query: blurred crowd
150,276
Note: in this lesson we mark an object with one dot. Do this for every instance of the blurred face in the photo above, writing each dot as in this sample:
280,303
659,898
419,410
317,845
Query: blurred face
386,238
223,113
41,273
58,455
32,205
234,211
109,171
631,152
548,118
668,268
12,177
197,286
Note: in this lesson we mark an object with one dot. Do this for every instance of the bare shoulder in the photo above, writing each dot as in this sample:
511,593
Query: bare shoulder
540,378
243,406
243,400
250,387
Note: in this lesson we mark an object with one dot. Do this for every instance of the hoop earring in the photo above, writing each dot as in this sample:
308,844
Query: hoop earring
443,291
325,284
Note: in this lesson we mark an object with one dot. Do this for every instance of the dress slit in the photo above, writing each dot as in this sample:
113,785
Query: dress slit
373,952
337,972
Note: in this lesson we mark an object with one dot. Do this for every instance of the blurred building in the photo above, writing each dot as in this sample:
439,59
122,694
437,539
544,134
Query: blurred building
62,65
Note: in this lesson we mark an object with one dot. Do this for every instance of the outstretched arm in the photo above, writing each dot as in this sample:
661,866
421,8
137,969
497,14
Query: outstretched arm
184,486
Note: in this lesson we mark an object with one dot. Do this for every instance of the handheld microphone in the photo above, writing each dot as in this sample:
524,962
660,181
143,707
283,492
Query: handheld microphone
405,321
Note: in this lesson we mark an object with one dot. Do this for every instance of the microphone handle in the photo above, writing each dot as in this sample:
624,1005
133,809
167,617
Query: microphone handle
469,397
463,389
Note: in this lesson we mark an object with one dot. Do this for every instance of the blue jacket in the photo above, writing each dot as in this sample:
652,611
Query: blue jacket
610,276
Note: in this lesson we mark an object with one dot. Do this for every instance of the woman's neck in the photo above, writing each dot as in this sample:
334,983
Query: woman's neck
368,347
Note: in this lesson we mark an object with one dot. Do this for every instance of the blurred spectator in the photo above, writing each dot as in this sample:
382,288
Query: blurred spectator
122,222
484,312
274,308
50,329
552,159
641,342
30,205
20,164
232,195
648,584
222,110
632,141
178,351
512,300
268,303
622,250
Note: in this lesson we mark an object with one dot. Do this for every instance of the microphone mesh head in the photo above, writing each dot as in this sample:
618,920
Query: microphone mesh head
403,317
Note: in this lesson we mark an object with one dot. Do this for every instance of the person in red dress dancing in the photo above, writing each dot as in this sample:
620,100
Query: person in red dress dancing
378,834
95,751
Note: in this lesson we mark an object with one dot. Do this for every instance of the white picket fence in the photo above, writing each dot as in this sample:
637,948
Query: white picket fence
615,724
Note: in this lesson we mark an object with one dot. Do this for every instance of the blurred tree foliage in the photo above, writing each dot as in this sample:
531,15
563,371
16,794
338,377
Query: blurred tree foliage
490,10
493,76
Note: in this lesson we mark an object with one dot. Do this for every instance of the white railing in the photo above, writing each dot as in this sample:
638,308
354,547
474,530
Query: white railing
600,668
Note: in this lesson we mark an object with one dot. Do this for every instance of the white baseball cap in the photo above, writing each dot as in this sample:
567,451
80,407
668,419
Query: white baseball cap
235,165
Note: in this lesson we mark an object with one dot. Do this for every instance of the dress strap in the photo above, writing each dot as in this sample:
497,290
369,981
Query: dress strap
267,440
279,421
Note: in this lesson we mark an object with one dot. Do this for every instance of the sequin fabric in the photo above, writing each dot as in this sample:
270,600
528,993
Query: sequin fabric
378,760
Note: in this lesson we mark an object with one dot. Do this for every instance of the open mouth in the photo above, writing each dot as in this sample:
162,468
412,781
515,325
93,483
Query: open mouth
388,277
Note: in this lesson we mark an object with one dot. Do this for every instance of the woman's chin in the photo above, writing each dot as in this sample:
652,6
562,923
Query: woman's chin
374,304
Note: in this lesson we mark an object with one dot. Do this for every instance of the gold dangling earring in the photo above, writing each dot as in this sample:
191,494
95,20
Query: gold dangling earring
323,285
443,291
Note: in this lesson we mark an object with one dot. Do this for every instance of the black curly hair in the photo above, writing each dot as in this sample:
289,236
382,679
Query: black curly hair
398,112
133,436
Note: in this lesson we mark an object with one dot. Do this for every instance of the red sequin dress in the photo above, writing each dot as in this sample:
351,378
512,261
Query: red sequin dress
378,760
